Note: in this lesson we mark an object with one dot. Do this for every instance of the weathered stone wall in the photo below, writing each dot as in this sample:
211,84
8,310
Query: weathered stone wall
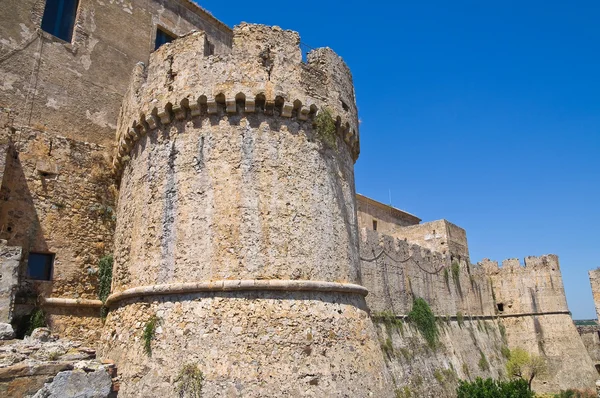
538,320
388,218
466,350
251,344
237,206
10,258
590,335
440,236
534,309
76,88
395,271
58,197
595,283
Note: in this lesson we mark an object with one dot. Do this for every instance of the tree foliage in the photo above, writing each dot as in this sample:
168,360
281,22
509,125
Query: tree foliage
490,388
525,366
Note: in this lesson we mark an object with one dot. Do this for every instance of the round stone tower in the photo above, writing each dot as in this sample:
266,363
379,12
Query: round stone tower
236,249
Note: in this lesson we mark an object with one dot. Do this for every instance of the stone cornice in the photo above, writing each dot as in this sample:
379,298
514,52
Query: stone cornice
221,106
236,285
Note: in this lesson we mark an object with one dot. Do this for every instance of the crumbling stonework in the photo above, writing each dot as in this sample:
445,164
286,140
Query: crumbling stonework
26,365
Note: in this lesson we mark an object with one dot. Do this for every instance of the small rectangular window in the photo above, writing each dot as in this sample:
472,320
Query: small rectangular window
39,266
162,37
59,18
500,307
374,225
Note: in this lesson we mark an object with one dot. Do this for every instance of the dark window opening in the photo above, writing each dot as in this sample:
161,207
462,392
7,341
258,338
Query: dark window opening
598,334
59,18
162,37
374,225
597,366
39,266
500,307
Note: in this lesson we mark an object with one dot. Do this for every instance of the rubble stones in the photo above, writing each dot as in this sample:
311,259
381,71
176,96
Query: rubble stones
6,331
78,384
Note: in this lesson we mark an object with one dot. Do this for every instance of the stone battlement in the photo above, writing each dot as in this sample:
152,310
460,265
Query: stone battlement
547,262
264,73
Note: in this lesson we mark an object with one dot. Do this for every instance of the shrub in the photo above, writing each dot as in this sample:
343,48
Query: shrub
37,319
576,394
490,388
105,268
422,316
189,381
326,128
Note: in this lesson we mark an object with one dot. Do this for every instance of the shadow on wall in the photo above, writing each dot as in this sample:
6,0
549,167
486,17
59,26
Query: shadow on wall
20,226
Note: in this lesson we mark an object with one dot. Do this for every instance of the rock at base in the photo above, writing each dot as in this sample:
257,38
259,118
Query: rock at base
78,384
6,331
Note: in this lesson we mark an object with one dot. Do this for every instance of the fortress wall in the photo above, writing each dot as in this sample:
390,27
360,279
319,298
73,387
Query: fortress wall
10,258
533,288
466,351
406,270
58,197
237,224
388,219
537,288
77,87
595,283
440,236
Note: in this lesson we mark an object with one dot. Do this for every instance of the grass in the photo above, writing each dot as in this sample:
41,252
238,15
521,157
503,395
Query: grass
390,321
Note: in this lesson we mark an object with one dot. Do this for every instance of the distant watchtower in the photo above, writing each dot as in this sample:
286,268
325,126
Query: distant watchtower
237,223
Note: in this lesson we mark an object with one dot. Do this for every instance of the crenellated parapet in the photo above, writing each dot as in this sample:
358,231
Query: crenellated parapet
534,287
264,74
548,262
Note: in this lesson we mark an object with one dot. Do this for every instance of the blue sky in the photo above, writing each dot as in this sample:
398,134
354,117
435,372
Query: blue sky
486,114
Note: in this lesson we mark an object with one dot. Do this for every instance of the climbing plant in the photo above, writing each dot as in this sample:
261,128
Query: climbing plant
424,319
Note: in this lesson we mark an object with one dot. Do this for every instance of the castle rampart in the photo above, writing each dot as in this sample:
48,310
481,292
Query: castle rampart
237,223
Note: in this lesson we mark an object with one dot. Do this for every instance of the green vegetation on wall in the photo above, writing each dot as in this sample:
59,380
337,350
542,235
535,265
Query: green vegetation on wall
424,319
489,388
188,382
149,333
37,319
326,128
105,268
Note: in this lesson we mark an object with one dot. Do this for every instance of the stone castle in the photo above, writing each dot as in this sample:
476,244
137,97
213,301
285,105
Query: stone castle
218,170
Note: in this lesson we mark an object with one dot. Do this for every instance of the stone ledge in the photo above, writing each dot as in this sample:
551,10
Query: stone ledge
237,285
67,302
